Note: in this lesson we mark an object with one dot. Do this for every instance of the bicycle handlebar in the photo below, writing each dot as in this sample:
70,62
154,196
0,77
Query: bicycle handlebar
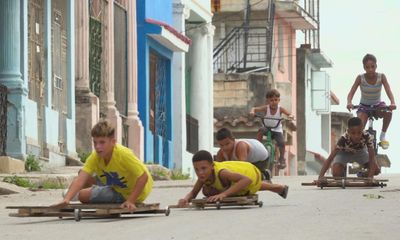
269,118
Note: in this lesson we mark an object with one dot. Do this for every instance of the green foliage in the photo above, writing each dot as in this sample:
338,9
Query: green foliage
83,155
51,185
178,175
159,172
19,181
32,164
23,182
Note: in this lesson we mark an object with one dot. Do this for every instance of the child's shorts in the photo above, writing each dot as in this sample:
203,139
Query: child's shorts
105,194
343,157
367,108
277,136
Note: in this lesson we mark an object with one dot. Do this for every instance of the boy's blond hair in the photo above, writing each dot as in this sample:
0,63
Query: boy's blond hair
103,129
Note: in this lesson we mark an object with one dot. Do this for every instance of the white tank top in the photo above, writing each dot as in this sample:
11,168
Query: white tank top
272,123
256,153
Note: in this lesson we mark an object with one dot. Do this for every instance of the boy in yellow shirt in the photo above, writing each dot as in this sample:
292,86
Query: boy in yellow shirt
111,174
229,178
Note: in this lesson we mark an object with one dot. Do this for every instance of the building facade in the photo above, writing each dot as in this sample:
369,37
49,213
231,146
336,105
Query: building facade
37,67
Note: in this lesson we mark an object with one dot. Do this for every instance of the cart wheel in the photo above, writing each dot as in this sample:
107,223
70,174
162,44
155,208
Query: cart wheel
218,204
381,184
77,214
167,211
260,204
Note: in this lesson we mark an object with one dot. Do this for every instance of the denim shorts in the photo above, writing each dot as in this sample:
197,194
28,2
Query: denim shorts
343,157
105,194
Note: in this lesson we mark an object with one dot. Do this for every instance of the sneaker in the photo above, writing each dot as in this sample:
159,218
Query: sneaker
285,191
282,163
384,144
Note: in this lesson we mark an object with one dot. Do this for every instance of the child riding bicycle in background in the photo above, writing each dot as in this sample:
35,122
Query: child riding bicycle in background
355,145
370,84
273,110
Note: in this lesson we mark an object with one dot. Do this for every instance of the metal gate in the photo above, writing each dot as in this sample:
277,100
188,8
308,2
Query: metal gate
161,107
95,51
3,120
59,59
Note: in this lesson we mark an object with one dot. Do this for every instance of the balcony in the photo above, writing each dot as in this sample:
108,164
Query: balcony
295,15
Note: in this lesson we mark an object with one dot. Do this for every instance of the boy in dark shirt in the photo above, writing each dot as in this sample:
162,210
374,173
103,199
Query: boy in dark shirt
356,145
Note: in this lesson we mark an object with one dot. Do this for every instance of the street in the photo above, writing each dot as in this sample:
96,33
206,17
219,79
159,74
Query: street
308,213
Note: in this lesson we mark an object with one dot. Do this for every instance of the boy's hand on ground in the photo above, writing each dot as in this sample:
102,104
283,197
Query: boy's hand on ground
182,202
129,205
216,198
61,204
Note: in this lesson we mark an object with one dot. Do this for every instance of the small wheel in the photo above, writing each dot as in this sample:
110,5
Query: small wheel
167,211
77,214
260,204
218,204
381,184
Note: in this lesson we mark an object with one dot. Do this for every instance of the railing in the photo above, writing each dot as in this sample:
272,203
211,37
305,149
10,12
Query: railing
246,48
234,55
3,119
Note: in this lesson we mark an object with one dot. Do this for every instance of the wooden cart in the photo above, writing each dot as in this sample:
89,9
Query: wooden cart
78,211
344,182
249,200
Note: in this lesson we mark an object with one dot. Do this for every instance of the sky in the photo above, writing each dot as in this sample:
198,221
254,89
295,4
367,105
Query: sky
349,29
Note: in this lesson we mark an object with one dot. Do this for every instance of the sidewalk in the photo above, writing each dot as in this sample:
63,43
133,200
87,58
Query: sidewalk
64,176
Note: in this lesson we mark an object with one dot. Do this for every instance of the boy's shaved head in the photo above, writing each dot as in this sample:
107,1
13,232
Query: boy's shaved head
202,155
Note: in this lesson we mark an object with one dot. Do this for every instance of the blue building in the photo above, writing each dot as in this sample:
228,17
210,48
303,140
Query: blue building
157,42
37,68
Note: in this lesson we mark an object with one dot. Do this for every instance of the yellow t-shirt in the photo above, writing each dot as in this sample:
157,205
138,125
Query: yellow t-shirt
244,168
121,172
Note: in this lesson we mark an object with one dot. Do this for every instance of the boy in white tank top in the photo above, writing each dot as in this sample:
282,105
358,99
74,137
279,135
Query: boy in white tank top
273,110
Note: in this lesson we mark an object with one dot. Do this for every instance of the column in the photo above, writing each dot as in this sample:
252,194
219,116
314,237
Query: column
180,13
107,100
11,77
209,31
87,104
136,132
200,82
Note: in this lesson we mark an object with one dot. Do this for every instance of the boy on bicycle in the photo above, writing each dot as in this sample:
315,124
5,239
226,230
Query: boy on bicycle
355,145
219,180
273,110
370,84
249,150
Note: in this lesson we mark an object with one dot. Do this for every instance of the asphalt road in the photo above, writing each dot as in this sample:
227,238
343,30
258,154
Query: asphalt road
308,213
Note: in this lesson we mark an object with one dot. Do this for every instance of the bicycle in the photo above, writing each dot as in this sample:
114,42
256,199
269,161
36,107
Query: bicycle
269,143
371,112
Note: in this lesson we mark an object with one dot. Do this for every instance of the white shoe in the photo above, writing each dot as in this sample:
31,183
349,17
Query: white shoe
74,199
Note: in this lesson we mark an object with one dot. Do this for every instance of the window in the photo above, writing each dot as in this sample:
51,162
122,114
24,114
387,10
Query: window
320,92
